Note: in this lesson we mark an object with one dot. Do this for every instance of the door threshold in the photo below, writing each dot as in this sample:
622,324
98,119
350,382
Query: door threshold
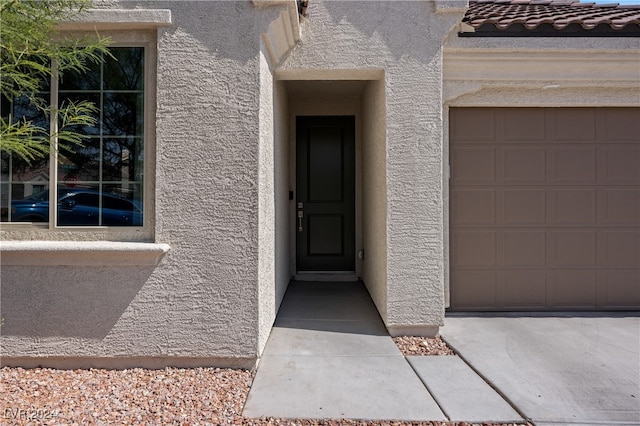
326,276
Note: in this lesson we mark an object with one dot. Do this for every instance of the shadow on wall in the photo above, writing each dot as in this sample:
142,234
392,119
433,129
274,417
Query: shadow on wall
82,302
382,19
225,29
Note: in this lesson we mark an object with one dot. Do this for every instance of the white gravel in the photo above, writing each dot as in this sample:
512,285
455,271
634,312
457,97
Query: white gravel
198,396
412,345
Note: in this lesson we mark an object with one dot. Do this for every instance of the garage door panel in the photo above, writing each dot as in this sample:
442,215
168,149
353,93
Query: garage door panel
572,207
474,165
474,248
524,289
524,165
474,290
524,125
570,248
620,165
474,206
619,248
619,207
545,209
573,165
619,288
524,248
573,289
524,207
622,124
477,127
576,125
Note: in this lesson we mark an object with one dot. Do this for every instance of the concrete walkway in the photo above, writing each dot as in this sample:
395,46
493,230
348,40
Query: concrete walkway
329,356
580,369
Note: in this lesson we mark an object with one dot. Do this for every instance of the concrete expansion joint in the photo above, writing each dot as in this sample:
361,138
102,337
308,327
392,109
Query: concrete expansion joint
436,399
487,381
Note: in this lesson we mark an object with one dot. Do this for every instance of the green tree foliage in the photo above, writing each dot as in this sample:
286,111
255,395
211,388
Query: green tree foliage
30,49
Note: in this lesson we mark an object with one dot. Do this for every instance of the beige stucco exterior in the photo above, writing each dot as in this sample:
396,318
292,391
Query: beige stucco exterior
228,79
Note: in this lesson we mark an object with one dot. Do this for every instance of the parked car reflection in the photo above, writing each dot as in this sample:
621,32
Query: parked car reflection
78,206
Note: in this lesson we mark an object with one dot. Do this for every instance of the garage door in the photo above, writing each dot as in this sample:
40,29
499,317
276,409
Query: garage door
545,208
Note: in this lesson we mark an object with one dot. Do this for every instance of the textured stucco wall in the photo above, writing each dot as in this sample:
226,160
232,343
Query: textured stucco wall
374,182
282,203
366,35
214,198
266,204
273,207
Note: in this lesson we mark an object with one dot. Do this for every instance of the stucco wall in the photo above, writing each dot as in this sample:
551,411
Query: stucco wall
202,303
266,204
374,182
273,223
282,172
365,35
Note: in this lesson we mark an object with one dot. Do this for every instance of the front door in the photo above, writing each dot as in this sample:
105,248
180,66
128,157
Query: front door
325,204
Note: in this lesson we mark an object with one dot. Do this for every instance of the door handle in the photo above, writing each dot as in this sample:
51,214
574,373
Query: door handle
300,216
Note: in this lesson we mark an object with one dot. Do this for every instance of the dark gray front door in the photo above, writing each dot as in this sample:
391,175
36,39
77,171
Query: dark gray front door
325,204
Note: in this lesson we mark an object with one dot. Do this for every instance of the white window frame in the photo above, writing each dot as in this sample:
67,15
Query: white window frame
51,231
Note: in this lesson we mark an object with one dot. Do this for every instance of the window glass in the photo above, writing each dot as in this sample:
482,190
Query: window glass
78,206
125,71
24,110
66,98
20,179
122,114
86,200
122,159
90,80
99,183
20,182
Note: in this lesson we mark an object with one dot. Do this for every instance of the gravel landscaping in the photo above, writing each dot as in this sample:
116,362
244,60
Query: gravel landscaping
412,345
173,396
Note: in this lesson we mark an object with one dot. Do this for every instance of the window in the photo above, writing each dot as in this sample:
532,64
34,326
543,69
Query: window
100,183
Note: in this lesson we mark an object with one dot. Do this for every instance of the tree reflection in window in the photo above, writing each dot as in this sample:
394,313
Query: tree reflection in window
20,179
111,160
110,163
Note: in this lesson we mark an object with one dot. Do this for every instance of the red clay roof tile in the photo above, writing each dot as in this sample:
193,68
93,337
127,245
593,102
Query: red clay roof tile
551,16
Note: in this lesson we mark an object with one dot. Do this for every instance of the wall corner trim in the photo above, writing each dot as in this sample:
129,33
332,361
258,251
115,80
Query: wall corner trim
283,34
80,253
597,66
121,19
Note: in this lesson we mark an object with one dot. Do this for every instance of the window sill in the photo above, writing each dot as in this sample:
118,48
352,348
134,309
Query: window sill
80,253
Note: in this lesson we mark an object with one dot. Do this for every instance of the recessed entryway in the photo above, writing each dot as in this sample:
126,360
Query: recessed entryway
336,134
330,150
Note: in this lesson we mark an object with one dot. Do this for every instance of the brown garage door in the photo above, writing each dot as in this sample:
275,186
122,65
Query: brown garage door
545,208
